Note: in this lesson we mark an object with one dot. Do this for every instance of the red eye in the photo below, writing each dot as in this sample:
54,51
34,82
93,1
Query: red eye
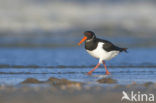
89,34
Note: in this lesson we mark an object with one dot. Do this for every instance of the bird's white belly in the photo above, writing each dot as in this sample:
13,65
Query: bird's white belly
102,54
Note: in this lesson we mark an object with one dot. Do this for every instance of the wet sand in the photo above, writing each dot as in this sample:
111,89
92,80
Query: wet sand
56,90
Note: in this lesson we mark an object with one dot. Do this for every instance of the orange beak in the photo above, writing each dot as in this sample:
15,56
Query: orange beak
84,38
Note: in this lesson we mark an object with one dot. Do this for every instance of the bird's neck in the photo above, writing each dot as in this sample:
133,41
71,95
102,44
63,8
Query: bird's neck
90,44
91,40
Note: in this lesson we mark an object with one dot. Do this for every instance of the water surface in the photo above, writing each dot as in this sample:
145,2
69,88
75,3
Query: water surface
17,64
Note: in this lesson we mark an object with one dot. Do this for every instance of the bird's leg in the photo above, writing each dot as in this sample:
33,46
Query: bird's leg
107,72
90,72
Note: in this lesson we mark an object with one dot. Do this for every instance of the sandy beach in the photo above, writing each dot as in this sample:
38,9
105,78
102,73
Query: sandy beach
64,91
40,61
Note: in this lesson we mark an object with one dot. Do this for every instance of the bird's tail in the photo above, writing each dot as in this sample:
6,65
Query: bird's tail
124,49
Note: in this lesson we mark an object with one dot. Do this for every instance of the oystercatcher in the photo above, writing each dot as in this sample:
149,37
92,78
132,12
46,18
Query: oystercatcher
100,49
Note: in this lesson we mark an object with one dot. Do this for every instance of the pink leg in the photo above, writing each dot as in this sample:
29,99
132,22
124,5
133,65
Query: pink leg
90,72
107,72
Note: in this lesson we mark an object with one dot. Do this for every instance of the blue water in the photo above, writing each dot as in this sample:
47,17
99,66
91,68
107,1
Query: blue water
17,64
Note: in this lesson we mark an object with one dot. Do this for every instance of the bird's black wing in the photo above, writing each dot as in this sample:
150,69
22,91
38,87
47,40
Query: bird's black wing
108,46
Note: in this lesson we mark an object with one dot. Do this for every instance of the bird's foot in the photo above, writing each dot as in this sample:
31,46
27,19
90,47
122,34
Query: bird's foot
107,73
89,73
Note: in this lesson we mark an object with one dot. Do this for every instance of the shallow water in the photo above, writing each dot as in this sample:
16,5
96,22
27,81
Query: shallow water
17,64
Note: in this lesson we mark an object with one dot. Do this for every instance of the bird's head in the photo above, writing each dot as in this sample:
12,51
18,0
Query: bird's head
88,35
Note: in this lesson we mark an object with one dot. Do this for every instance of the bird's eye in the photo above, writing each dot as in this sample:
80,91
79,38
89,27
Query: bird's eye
88,34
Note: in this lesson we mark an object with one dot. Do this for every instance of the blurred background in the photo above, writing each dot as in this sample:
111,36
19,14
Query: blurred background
61,23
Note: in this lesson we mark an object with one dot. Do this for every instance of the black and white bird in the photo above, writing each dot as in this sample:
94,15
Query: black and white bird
100,49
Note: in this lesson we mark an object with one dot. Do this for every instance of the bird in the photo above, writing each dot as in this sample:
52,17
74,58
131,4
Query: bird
100,49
